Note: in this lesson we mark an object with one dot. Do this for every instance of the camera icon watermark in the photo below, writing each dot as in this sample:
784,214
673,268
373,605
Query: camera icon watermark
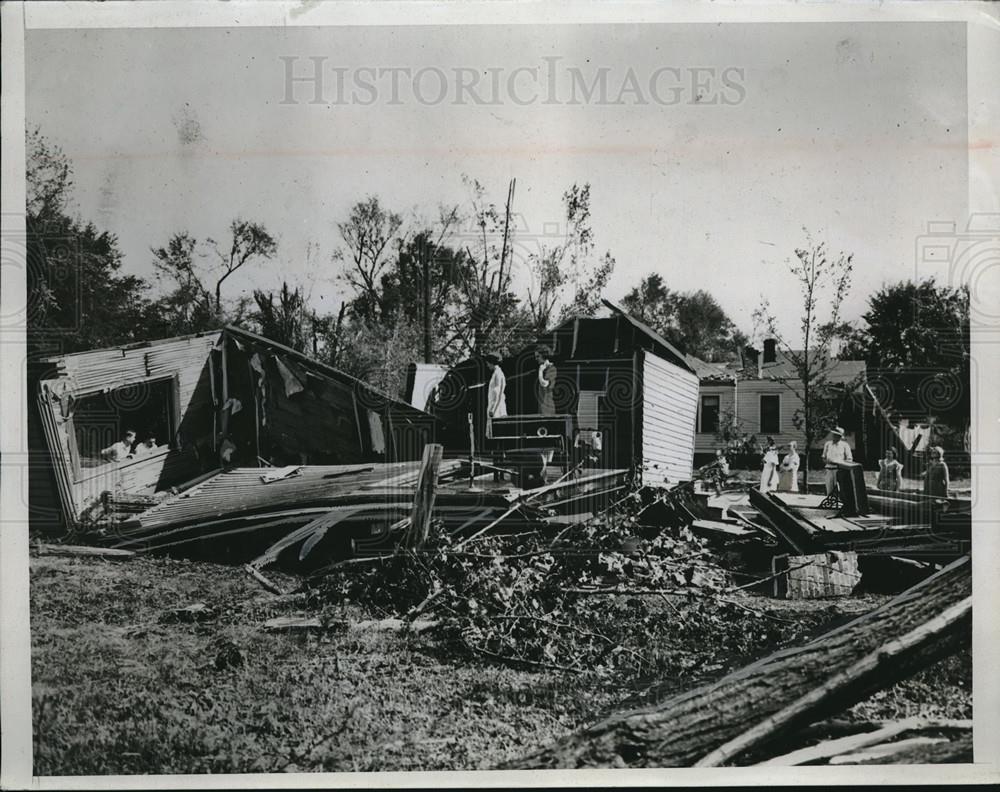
967,257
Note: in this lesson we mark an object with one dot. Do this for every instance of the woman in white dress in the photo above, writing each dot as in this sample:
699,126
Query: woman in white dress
496,400
788,476
769,474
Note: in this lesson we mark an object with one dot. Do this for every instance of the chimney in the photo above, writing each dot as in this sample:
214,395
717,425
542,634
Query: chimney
770,350
751,359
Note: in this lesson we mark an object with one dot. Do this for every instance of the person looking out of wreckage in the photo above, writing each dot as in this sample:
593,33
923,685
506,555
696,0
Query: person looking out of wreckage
120,450
890,471
546,383
835,451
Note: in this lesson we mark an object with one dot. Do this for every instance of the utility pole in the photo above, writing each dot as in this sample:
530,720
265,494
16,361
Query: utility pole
425,255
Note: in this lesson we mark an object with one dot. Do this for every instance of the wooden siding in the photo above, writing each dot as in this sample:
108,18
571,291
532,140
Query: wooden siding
669,412
748,413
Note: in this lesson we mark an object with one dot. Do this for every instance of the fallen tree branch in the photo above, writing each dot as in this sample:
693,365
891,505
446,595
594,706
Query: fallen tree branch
920,626
839,684
854,742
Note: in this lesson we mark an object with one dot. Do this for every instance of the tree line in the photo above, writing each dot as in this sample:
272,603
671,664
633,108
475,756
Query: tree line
472,279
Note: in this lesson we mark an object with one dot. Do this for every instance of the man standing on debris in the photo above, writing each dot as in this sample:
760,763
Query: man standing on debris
835,451
545,386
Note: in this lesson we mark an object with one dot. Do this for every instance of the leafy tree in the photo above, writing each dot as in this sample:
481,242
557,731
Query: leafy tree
693,321
189,307
77,296
916,336
824,281
284,320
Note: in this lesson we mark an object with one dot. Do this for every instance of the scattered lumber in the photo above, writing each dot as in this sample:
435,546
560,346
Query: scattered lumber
956,751
855,742
880,752
265,582
833,574
315,624
716,722
81,550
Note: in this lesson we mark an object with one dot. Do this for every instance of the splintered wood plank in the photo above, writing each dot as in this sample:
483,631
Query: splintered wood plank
423,500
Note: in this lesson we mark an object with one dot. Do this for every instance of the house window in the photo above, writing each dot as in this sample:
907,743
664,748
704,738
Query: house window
709,414
770,422
101,421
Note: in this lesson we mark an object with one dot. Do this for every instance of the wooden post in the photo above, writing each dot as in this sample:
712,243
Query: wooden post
423,498
472,455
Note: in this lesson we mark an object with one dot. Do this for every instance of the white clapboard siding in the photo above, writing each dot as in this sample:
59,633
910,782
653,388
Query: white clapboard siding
669,412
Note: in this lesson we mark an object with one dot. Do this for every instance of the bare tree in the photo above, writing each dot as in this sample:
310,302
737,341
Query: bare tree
367,234
568,268
491,311
249,240
824,281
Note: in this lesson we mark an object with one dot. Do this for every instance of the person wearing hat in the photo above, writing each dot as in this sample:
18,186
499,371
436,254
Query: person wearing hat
835,451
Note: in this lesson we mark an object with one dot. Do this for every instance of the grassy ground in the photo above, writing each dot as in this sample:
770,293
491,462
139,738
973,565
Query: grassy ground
118,689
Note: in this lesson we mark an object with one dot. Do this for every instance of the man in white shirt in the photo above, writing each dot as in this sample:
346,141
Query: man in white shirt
835,451
120,450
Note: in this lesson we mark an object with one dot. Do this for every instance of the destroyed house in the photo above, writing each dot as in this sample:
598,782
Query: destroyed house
759,396
620,386
196,403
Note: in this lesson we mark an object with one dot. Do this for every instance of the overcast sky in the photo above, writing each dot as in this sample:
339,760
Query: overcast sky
854,131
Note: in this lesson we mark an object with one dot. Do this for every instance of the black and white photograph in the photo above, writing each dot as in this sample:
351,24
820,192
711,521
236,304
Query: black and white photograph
395,389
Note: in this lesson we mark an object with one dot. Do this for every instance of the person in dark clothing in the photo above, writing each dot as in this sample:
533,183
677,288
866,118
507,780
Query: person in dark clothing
546,381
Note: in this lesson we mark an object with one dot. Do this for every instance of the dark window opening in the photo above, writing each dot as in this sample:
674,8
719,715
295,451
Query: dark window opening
769,414
102,421
709,414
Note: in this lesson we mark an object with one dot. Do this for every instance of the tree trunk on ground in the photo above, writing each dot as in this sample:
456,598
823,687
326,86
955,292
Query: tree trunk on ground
680,730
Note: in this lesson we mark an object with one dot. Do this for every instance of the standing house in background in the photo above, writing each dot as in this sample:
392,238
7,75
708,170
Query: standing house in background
757,394
615,376
276,405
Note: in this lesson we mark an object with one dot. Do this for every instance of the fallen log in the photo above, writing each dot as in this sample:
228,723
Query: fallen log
677,730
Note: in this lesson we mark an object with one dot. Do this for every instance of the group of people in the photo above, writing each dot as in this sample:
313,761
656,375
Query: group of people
936,477
780,475
129,447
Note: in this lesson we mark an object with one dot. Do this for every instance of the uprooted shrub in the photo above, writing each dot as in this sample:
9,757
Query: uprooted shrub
595,598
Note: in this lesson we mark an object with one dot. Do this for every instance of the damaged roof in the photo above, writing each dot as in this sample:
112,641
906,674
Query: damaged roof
782,368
